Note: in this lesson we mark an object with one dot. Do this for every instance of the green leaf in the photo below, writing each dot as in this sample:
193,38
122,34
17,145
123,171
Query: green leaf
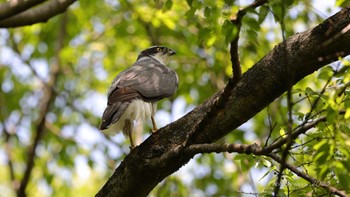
207,12
324,151
229,30
277,11
342,3
331,115
167,5
252,23
189,2
325,73
263,11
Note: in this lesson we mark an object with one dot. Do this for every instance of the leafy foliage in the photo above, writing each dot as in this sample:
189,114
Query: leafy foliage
74,158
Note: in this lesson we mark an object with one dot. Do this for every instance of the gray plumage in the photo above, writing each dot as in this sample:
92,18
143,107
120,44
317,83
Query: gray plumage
148,80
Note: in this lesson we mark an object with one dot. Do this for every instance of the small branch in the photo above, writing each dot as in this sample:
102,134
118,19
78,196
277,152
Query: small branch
37,14
258,150
8,150
14,7
219,148
300,130
309,178
294,134
272,127
234,53
237,22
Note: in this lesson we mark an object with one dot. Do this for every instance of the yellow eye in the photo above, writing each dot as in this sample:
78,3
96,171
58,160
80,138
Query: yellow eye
159,49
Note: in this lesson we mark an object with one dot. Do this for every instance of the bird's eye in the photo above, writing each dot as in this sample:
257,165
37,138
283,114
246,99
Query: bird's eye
159,49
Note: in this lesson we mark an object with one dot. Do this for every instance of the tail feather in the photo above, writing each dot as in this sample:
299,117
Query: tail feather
112,114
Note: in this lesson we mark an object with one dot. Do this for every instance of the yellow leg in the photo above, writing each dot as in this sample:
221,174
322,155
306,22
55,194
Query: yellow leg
154,108
128,129
155,128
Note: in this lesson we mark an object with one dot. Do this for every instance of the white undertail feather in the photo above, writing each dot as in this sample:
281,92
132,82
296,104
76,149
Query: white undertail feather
137,110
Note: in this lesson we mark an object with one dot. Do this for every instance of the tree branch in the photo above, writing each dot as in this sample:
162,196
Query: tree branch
237,22
234,54
258,150
258,87
300,130
8,152
47,100
309,178
14,7
37,14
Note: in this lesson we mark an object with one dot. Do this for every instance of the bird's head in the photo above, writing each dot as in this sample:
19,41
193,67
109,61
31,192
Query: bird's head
160,53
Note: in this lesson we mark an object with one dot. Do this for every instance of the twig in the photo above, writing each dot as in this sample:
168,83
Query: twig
237,22
272,127
309,178
234,53
8,150
297,132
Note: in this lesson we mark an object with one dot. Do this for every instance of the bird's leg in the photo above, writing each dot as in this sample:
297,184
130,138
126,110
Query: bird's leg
155,128
154,125
128,129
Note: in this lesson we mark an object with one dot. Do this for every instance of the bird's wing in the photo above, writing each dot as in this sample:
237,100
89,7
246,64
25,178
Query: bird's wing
151,79
147,80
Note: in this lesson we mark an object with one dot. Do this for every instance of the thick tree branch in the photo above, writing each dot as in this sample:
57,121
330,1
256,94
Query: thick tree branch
37,14
14,7
258,87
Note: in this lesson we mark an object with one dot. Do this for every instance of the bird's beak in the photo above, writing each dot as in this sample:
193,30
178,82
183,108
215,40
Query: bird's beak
171,52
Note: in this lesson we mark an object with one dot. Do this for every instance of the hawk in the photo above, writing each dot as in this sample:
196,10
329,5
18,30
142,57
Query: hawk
135,91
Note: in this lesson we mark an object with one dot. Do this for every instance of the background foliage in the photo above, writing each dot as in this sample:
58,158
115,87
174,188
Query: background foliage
76,55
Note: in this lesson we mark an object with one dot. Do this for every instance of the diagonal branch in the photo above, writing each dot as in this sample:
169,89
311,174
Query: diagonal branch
8,152
47,100
14,7
37,14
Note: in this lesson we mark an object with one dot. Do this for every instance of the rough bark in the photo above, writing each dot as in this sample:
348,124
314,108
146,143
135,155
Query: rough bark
163,152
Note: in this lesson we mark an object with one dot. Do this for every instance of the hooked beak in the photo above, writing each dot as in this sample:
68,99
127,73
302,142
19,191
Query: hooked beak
171,52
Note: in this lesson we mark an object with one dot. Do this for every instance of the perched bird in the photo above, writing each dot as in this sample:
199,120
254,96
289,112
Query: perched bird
135,91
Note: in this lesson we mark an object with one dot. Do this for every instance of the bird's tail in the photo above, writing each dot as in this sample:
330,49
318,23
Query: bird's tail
112,114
